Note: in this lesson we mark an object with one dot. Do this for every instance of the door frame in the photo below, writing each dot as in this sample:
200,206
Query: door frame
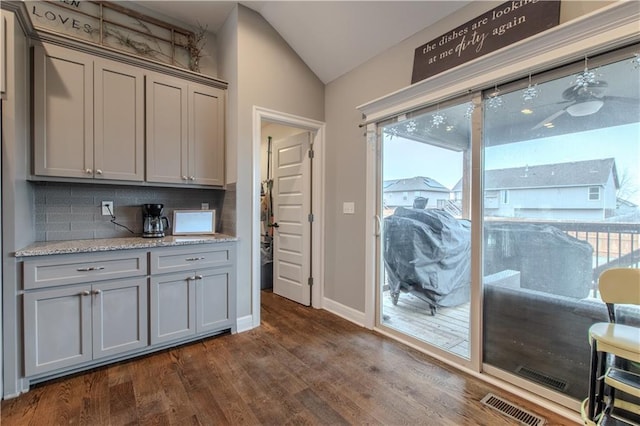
317,129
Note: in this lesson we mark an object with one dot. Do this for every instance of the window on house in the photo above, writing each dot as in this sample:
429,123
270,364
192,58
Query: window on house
505,196
405,196
594,193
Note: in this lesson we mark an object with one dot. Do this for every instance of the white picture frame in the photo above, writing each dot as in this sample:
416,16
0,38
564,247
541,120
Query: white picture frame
194,222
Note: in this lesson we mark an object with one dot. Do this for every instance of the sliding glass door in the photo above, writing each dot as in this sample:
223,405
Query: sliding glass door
561,196
425,290
550,173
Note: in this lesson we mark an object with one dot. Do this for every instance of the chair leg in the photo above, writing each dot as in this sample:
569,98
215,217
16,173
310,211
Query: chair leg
593,377
600,380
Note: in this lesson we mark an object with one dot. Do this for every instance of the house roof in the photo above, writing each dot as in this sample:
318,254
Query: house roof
418,183
577,173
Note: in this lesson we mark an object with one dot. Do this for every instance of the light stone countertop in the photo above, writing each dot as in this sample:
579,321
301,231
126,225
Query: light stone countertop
109,244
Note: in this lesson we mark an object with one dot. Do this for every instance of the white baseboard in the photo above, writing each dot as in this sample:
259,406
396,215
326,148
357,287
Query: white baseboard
343,311
244,323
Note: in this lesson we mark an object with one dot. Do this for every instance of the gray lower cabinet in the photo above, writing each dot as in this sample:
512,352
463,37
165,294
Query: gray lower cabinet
188,303
74,324
192,301
81,310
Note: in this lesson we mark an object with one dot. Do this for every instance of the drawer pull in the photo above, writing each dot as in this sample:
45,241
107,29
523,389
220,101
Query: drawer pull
199,277
193,259
90,268
97,291
85,293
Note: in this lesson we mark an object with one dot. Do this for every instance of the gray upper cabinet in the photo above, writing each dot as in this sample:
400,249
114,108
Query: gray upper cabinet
63,112
118,121
167,130
88,116
185,132
206,135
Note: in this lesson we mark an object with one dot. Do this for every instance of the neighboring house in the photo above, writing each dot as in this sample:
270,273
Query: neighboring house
402,192
581,190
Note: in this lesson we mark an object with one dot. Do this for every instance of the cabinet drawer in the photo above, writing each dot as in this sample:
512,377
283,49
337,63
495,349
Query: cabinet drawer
72,269
190,258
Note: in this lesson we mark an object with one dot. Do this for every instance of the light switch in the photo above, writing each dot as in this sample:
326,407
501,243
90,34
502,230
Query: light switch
348,207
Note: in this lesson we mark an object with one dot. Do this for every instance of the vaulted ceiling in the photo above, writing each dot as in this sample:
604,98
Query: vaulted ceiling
331,37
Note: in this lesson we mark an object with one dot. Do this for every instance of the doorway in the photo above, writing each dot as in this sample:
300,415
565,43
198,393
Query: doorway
286,244
280,126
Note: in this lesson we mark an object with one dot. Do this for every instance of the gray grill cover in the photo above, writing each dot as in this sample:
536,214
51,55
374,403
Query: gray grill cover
428,252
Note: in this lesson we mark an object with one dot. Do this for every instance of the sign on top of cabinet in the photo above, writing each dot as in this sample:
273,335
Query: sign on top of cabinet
90,115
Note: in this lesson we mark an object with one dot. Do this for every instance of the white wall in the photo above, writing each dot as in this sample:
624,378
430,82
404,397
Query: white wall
268,74
346,154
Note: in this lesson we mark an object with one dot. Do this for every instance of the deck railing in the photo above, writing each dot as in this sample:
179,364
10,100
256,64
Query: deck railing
614,244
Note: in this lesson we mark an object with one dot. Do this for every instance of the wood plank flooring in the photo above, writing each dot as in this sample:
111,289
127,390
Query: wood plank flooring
301,366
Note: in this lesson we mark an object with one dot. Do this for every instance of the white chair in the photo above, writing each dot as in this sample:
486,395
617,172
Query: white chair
614,347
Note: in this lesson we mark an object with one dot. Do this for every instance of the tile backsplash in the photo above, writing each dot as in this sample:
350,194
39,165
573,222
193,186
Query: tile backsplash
70,211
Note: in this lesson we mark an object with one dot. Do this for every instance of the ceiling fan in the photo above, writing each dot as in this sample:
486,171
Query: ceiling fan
582,100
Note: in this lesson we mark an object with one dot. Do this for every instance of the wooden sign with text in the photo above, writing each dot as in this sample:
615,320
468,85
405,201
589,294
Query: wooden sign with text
112,25
506,24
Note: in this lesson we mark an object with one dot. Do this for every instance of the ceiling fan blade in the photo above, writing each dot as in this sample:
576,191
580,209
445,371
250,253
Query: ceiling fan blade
550,118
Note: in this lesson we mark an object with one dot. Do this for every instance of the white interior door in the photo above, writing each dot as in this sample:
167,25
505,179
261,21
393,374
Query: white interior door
291,207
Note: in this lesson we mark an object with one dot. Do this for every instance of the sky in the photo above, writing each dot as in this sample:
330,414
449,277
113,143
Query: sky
405,159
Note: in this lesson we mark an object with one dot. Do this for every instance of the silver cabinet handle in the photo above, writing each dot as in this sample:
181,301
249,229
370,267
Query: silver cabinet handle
199,277
193,278
85,293
97,291
193,259
88,171
99,171
90,268
184,178
192,178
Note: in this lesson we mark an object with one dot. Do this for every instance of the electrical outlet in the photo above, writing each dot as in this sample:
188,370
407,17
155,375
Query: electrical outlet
348,207
107,208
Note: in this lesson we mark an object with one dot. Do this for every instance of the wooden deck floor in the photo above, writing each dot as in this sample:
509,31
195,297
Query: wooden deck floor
448,329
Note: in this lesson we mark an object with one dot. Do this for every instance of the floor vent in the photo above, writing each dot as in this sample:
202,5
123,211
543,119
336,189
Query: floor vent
510,410
543,379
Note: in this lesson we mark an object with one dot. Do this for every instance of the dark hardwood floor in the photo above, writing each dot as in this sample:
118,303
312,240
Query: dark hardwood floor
301,366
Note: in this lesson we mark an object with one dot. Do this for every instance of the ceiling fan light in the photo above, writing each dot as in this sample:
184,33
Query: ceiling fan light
581,109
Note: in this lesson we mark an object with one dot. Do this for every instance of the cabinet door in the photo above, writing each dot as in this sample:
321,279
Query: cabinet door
173,307
167,151
119,316
206,135
212,299
63,112
119,121
57,329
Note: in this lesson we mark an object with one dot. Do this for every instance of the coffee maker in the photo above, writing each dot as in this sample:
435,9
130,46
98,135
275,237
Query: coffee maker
153,223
